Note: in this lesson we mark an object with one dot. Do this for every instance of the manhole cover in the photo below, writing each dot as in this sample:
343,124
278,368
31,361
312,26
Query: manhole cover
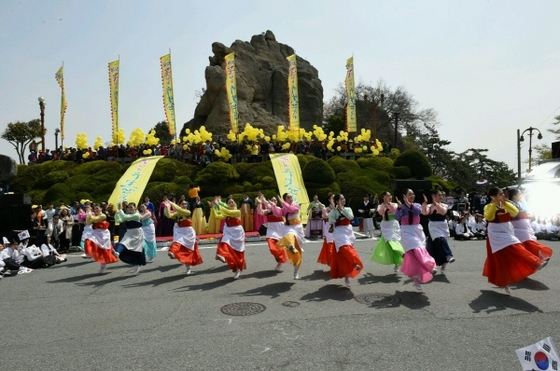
290,304
377,300
242,309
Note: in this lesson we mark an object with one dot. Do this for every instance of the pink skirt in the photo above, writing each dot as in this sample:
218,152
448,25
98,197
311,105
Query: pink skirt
418,264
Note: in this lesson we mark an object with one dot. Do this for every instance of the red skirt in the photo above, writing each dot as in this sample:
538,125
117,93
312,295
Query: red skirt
326,253
98,254
279,254
344,262
538,249
184,255
509,265
234,259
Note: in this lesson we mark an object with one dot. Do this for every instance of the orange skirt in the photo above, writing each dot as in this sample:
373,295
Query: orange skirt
509,265
279,254
343,262
184,255
234,259
326,253
538,249
98,254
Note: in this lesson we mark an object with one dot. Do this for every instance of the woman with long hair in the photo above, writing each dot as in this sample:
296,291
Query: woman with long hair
261,204
274,230
184,247
197,217
523,230
98,244
328,248
417,262
293,235
439,231
231,248
388,250
130,249
345,261
149,229
507,260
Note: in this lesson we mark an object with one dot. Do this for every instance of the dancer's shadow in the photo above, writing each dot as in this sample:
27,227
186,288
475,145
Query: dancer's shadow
66,264
317,276
370,278
530,284
78,278
440,278
330,292
262,274
492,301
273,290
413,299
159,281
104,282
163,269
206,286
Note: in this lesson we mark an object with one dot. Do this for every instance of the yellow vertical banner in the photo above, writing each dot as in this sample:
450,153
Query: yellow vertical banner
231,88
289,179
132,183
60,79
114,89
293,92
167,85
351,122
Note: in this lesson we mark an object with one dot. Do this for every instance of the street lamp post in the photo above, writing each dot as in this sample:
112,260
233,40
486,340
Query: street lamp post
42,107
56,132
374,104
520,139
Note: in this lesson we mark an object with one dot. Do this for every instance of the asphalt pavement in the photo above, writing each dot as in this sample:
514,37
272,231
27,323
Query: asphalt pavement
69,317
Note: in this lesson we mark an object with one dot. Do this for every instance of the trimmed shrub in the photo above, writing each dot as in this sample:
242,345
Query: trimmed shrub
242,169
416,161
376,162
258,171
302,159
59,191
321,190
51,178
183,180
92,167
167,169
26,177
318,169
217,173
269,182
37,196
400,172
341,165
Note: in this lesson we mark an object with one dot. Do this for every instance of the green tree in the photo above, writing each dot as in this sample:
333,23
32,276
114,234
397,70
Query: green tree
162,132
20,134
416,161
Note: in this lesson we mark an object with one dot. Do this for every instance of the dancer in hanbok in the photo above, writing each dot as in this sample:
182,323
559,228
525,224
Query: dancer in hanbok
149,229
214,224
247,207
259,218
274,232
439,231
417,262
292,240
314,216
523,230
231,248
130,249
507,260
88,227
388,250
345,261
98,244
197,217
328,241
185,246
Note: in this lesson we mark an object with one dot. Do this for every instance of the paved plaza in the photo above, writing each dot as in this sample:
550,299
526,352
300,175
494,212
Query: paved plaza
69,317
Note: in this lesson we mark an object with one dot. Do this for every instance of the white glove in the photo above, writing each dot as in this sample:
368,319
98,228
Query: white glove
360,210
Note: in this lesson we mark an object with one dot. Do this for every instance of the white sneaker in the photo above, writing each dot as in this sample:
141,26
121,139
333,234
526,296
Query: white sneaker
236,276
296,275
149,260
417,285
171,256
188,269
396,268
443,267
102,268
85,256
434,270
508,291
221,258
450,259
136,270
347,281
278,266
292,249
115,253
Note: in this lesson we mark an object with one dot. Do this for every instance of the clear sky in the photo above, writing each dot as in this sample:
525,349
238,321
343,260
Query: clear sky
487,67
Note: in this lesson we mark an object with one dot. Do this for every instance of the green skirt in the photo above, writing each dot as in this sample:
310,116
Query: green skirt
388,252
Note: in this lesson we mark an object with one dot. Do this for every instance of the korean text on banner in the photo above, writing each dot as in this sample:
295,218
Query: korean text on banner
351,122
289,179
60,79
231,88
293,92
114,89
132,183
168,100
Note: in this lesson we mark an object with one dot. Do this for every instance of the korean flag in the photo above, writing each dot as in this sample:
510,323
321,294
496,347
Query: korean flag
540,356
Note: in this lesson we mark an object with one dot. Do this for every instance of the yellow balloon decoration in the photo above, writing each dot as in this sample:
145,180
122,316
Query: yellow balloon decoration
119,137
81,141
98,143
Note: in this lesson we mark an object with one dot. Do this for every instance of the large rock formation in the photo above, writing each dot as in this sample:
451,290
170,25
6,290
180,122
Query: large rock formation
8,169
262,88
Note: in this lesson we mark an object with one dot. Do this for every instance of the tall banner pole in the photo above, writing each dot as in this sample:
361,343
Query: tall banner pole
168,99
114,90
60,79
293,92
351,122
231,89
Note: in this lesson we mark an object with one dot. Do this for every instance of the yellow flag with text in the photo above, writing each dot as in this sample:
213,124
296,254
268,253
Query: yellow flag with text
351,122
231,88
293,92
131,185
168,100
289,179
114,89
60,79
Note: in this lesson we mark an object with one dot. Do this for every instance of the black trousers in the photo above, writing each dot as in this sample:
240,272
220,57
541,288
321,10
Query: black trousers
11,264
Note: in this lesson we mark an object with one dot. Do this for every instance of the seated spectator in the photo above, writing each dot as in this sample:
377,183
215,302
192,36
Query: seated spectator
552,229
462,230
9,256
453,222
32,255
479,227
50,254
539,234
